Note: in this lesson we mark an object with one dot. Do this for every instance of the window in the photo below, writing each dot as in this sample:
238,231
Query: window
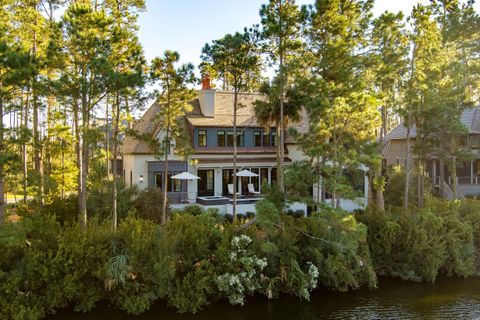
166,147
202,138
266,139
230,138
240,139
274,139
221,138
257,138
173,185
158,180
463,141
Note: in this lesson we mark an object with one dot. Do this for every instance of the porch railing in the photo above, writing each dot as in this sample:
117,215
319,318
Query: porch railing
471,180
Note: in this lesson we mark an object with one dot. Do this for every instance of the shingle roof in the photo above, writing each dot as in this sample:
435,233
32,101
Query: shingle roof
146,125
470,118
223,114
223,117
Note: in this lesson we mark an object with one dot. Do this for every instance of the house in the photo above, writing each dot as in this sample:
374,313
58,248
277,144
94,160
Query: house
468,172
210,126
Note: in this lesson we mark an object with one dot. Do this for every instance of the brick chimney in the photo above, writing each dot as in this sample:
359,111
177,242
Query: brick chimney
206,83
206,97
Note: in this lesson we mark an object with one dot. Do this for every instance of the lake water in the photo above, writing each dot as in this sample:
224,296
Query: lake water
448,298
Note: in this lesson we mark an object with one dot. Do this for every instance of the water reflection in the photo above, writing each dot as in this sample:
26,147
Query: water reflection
447,299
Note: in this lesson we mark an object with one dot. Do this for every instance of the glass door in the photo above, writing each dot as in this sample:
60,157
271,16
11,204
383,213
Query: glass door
206,184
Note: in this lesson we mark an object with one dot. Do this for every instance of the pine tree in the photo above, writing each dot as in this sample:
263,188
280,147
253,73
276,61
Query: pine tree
281,28
341,107
391,47
15,72
236,56
84,79
173,99
126,80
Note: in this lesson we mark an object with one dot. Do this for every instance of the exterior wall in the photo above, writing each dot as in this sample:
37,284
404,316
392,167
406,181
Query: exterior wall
396,152
248,135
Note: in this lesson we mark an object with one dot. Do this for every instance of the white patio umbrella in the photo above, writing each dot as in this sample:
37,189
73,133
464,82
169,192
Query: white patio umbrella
246,173
185,176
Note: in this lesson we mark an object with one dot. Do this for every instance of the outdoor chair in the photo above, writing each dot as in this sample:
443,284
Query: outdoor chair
251,190
230,190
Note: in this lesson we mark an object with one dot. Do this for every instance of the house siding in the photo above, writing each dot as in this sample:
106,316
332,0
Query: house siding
248,137
396,149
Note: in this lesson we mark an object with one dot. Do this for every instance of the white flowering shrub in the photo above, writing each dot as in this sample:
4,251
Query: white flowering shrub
246,271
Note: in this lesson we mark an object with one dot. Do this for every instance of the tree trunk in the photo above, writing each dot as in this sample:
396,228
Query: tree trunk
2,178
454,171
114,156
163,217
442,177
25,154
235,101
407,162
280,169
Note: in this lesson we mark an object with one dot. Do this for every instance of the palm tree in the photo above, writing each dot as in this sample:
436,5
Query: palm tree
267,112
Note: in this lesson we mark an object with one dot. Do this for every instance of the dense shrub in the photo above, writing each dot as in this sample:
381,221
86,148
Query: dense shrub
99,203
197,257
130,279
185,269
420,244
149,205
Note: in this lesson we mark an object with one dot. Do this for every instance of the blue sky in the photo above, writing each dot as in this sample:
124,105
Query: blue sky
186,25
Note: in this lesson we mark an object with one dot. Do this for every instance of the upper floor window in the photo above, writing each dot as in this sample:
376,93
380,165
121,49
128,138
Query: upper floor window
221,138
274,139
230,138
463,141
166,147
240,139
257,138
202,138
266,139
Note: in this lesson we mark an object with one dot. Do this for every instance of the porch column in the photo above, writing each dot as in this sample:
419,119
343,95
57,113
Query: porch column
434,173
471,172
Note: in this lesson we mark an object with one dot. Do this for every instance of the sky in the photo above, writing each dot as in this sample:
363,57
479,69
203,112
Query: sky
186,25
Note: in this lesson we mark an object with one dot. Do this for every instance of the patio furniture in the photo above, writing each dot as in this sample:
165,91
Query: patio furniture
230,190
251,190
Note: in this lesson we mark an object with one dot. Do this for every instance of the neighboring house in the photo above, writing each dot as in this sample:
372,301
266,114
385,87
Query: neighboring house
468,173
210,125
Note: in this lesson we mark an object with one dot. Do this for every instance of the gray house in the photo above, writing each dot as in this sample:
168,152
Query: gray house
210,126
468,172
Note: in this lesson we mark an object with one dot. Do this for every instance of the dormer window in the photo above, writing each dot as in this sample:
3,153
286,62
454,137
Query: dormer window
202,138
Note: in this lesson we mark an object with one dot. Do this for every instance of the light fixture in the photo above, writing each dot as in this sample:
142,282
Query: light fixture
141,178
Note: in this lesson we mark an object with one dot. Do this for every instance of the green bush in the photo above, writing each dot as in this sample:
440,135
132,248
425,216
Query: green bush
149,205
130,279
185,269
420,244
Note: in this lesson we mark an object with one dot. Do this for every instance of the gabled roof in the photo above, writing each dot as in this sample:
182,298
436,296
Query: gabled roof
223,117
470,118
223,111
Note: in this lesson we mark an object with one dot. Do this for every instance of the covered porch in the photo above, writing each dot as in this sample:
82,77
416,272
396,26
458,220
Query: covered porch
467,180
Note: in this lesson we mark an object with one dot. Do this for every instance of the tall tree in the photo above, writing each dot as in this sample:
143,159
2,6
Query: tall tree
340,105
237,57
15,71
390,43
268,112
173,99
281,28
126,79
84,79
